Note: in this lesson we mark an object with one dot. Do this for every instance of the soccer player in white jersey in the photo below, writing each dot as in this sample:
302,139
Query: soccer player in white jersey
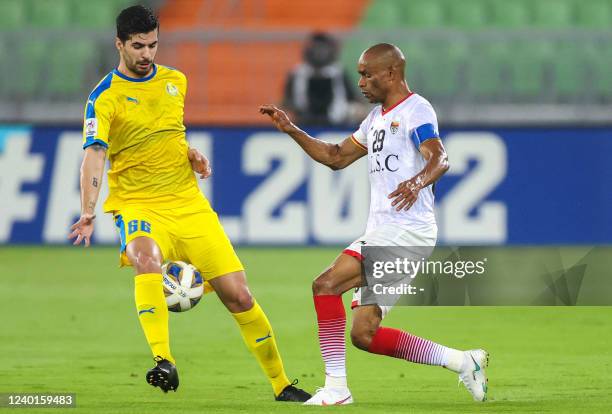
405,157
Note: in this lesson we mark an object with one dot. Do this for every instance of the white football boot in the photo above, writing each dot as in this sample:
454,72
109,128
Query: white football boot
473,375
331,396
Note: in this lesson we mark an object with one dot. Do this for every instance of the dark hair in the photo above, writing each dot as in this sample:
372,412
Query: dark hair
135,19
321,49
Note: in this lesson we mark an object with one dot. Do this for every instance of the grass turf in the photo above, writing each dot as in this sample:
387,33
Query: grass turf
69,325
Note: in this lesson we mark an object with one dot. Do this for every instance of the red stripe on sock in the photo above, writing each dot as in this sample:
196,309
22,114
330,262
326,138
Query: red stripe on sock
329,307
385,341
400,344
331,319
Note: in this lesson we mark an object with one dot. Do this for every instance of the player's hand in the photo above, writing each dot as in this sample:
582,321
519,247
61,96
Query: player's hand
279,118
199,163
82,229
406,193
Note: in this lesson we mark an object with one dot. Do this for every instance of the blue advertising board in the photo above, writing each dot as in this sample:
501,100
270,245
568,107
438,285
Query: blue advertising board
505,186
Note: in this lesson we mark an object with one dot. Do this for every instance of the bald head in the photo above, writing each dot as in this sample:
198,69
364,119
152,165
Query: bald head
381,70
385,56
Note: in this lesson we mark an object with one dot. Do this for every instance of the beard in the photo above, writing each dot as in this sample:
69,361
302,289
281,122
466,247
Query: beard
141,70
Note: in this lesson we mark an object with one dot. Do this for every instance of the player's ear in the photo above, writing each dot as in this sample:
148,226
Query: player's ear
390,74
118,43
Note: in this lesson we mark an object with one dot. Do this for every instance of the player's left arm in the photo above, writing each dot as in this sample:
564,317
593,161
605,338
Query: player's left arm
407,191
199,163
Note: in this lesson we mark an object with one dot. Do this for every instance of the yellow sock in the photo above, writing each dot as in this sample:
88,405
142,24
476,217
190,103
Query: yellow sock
259,338
153,313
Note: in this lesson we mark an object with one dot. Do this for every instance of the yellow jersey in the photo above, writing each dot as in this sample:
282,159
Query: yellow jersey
140,123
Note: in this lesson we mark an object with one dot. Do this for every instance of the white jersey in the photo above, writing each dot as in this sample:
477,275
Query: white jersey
392,139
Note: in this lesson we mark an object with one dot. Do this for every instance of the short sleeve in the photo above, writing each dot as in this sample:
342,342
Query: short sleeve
360,137
183,84
424,124
99,113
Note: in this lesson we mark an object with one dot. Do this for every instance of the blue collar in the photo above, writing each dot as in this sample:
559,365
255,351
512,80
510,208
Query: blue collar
146,78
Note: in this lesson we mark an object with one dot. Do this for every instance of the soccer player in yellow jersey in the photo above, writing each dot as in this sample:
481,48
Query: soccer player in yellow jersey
135,116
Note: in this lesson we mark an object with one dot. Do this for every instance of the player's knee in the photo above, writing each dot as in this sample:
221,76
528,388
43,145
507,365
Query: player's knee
241,302
145,262
324,285
361,338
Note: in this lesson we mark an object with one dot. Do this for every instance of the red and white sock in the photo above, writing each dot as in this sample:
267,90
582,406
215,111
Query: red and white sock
400,344
331,318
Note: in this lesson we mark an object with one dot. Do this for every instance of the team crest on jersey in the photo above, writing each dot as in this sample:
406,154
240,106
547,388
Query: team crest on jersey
171,89
394,127
91,127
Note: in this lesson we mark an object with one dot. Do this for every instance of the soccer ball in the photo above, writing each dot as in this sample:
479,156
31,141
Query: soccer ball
183,286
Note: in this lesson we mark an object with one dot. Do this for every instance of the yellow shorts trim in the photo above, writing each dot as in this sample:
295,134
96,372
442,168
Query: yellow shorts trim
192,234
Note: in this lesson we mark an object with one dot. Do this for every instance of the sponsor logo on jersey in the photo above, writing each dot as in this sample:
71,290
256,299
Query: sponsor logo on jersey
130,99
171,89
395,127
91,127
380,163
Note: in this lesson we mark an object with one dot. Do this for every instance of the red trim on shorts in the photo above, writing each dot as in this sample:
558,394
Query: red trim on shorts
354,254
354,304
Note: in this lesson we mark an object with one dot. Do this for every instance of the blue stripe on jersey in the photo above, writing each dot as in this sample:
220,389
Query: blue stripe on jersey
90,141
146,78
91,100
423,133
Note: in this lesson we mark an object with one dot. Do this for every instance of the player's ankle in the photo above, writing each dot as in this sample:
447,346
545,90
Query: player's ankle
455,360
335,381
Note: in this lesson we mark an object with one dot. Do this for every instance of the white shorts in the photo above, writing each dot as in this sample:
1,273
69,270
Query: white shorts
390,235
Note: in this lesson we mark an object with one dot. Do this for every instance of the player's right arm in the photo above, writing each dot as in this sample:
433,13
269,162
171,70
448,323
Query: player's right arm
99,113
335,156
92,169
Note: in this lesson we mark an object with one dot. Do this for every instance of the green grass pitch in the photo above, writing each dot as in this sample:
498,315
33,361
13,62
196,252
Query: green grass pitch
69,325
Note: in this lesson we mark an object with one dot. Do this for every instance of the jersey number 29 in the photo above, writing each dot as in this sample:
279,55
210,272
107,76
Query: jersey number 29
379,140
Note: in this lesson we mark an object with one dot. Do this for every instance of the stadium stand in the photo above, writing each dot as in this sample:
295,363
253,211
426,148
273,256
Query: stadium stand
594,14
261,14
12,14
95,14
49,14
467,14
30,58
236,53
553,13
509,14
230,79
59,59
500,51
